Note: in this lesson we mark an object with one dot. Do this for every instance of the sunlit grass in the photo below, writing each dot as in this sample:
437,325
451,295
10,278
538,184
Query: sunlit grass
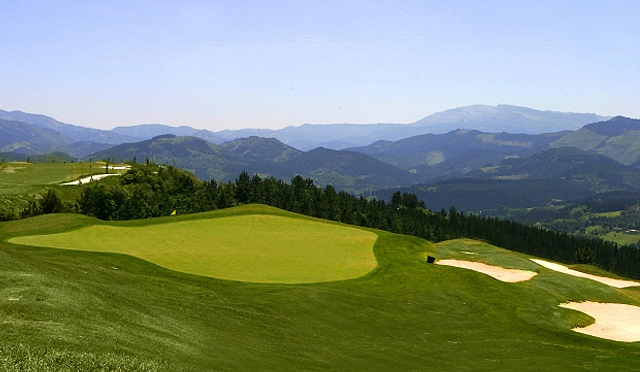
255,248
405,315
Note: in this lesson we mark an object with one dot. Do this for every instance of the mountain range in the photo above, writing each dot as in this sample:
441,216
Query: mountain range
551,176
268,157
309,136
469,168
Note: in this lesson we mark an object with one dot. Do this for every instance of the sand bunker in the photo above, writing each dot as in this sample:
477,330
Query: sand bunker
500,273
617,283
618,322
95,177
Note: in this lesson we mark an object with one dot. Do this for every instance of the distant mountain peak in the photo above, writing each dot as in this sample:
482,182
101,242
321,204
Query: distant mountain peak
505,118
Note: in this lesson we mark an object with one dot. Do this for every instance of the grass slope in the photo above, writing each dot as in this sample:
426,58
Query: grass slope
20,180
254,248
404,315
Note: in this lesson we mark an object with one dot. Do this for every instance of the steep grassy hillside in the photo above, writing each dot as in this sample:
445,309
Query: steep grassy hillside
69,309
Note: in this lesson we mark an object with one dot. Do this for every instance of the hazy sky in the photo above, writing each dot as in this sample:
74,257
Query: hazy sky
270,64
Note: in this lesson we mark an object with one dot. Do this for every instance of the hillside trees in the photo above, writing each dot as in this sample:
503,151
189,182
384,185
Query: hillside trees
144,192
49,202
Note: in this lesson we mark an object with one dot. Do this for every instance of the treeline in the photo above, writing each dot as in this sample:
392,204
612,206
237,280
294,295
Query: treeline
150,192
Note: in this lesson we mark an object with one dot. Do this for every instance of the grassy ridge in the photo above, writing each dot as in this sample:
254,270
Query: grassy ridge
405,315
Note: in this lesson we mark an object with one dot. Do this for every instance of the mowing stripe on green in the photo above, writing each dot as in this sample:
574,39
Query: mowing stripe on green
253,248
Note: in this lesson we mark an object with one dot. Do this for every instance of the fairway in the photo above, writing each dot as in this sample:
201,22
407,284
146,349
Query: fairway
71,310
252,248
17,177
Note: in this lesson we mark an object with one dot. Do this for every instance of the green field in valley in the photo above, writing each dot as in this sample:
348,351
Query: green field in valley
69,310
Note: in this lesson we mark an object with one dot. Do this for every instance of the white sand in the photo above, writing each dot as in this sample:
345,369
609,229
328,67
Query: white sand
500,273
618,322
95,177
617,283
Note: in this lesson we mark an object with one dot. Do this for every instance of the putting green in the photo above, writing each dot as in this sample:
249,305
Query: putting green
252,248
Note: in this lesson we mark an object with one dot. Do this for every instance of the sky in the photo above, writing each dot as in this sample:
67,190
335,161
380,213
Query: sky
270,64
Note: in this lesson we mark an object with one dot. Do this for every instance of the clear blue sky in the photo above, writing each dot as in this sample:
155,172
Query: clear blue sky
271,64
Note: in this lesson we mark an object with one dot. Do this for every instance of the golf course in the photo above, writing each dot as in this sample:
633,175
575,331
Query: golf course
257,288
235,248
20,180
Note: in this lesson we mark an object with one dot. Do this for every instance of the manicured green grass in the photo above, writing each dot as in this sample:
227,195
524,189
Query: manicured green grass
20,181
254,248
405,315
14,177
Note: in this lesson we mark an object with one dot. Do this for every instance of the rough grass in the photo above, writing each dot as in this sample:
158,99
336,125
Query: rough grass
22,358
405,315
255,248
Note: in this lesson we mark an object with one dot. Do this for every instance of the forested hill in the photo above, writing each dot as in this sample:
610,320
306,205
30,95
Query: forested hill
545,178
29,139
345,170
158,191
432,149
595,172
618,139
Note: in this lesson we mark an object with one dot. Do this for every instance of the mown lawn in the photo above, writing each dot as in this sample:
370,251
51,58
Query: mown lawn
405,315
15,176
20,181
254,248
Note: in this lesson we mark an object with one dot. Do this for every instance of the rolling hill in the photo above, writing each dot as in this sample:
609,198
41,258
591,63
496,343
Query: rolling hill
461,152
502,118
618,139
84,310
75,132
345,170
196,155
430,150
349,171
596,172
24,138
544,178
261,149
